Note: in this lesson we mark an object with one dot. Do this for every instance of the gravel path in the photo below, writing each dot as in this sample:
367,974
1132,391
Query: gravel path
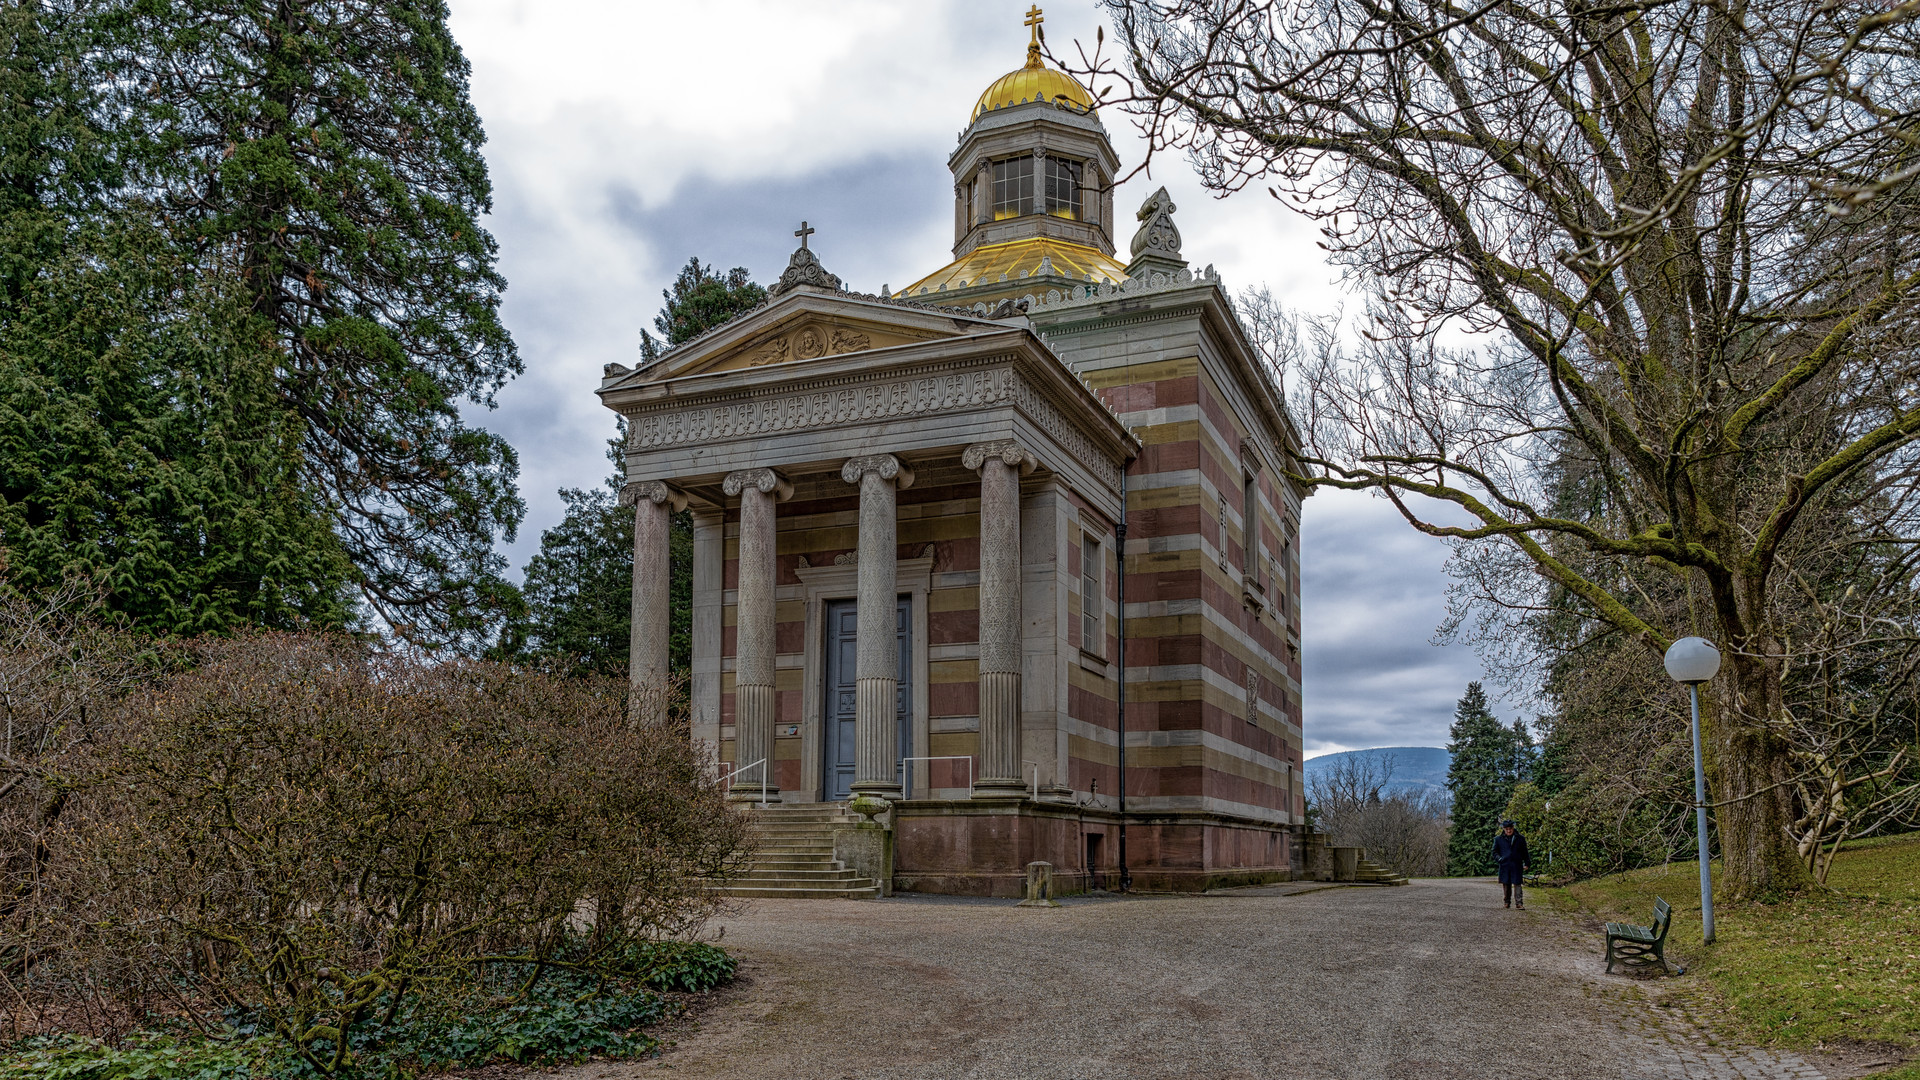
1434,980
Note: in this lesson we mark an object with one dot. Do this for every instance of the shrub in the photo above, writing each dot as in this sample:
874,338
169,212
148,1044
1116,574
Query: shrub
322,838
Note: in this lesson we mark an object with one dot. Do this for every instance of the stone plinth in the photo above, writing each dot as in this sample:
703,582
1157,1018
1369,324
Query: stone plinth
867,849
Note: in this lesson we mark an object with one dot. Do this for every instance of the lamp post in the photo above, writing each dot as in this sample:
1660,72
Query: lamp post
1694,660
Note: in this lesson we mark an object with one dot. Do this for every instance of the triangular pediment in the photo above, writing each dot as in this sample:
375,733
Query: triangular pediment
811,337
802,326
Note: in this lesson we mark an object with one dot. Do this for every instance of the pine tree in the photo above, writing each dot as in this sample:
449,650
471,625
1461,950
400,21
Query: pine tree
1489,760
325,159
578,590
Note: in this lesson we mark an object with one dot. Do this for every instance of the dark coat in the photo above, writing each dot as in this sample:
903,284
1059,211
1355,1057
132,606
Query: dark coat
1511,853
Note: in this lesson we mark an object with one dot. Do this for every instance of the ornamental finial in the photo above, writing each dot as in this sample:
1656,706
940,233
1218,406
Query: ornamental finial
1034,19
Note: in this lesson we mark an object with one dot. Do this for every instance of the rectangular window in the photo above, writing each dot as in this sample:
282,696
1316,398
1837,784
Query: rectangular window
1063,187
1250,528
1012,187
1093,599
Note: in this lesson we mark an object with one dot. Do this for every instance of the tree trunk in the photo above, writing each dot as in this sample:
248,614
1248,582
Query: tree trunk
1748,767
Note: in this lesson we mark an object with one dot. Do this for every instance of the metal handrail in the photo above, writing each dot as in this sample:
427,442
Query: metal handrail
906,787
727,779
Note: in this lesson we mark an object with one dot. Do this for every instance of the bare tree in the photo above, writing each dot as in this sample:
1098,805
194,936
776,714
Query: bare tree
1358,806
1671,236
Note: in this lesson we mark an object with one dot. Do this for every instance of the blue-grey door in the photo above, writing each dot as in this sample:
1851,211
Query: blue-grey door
842,632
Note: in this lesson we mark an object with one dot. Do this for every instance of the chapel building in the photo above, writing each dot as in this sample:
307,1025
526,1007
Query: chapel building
937,529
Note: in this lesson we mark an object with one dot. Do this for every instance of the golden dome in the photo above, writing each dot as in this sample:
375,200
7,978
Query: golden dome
1034,82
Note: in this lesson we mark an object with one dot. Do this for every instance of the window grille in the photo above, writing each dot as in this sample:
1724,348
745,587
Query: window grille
1093,599
1063,188
1012,187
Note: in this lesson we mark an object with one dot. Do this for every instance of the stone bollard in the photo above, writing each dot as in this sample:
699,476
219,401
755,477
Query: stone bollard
1039,886
1346,863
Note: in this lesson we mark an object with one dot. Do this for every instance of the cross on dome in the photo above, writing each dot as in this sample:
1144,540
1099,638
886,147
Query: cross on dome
1034,19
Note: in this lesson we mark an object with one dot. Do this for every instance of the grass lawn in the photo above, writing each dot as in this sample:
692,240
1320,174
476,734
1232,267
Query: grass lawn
1837,966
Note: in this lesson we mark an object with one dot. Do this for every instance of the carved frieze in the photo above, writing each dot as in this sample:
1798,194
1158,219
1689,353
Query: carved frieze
773,352
845,341
845,402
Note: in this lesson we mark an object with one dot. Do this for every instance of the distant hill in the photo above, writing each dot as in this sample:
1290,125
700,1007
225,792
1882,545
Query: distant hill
1414,767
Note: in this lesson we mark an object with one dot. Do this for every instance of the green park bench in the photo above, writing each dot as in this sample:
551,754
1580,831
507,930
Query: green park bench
1637,945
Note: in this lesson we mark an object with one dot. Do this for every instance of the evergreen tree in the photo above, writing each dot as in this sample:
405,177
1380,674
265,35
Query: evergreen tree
579,588
141,442
325,159
1489,760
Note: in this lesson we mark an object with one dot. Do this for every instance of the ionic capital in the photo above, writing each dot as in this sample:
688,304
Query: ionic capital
886,465
653,491
765,481
1007,450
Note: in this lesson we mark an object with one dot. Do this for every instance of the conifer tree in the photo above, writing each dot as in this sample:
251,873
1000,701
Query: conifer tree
325,159
579,588
1489,759
142,445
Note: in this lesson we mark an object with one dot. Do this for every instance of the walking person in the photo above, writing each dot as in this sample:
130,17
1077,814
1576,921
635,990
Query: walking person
1510,851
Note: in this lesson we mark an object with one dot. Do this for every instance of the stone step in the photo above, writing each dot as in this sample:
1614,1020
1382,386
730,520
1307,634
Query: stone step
1368,872
867,891
792,862
758,876
795,847
791,830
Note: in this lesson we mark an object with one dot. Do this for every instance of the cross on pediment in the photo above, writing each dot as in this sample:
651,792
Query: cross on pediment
803,232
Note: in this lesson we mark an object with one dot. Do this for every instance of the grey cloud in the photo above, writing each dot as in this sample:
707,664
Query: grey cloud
1372,592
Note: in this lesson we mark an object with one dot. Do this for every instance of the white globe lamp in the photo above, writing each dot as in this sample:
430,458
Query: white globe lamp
1694,660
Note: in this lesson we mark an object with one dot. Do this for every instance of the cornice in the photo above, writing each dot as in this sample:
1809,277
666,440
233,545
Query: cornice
758,402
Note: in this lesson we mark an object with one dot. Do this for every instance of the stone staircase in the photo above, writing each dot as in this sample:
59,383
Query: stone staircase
1369,872
793,858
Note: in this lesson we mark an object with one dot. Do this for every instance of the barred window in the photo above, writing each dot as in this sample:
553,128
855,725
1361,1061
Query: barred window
1063,188
1012,187
1093,597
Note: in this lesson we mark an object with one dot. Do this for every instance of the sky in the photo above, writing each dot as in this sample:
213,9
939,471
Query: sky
625,136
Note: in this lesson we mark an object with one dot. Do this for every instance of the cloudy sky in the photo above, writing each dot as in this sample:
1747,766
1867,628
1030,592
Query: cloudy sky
625,136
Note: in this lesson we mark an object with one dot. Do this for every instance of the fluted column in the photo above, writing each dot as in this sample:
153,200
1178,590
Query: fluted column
654,504
1000,465
876,725
759,490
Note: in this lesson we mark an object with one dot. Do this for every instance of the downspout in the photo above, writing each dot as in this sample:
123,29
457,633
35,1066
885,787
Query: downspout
1120,537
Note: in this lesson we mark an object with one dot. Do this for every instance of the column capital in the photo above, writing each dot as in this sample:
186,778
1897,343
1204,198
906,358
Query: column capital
1007,450
886,465
654,491
765,481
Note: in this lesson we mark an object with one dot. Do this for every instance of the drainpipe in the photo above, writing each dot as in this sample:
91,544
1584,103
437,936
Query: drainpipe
1120,536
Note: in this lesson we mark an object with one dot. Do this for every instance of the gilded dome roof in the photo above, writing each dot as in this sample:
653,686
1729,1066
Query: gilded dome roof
1034,82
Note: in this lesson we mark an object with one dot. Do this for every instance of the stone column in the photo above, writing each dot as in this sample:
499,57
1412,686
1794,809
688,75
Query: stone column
983,207
1000,465
654,505
877,650
759,490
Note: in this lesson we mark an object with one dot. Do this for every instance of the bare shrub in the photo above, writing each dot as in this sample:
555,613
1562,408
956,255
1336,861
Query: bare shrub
1403,830
61,671
313,834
